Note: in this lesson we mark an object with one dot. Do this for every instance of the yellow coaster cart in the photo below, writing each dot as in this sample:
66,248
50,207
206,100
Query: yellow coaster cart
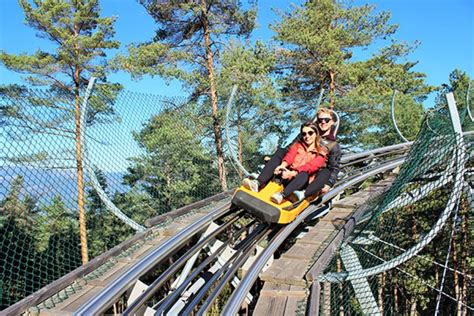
260,205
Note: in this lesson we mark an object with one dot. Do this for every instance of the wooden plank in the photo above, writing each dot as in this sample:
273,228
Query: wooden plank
73,304
301,250
315,236
110,275
331,249
172,229
340,211
349,202
63,308
274,306
364,194
337,216
382,184
292,304
328,253
145,248
183,210
50,313
298,291
155,241
314,299
286,271
324,227
271,289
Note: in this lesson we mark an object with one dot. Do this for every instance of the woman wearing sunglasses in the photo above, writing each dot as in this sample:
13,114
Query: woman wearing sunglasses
303,159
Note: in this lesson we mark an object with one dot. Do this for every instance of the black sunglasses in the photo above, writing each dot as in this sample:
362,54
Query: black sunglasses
310,133
324,119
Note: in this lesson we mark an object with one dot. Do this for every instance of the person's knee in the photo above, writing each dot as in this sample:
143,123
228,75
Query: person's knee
302,176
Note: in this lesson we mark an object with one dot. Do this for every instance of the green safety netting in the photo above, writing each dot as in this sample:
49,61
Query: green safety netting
149,154
412,251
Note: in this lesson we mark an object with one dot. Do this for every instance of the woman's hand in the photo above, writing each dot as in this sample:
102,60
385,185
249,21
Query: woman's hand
288,174
280,169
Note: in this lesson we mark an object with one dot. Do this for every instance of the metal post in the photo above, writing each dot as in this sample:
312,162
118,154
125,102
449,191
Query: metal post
453,111
93,178
392,108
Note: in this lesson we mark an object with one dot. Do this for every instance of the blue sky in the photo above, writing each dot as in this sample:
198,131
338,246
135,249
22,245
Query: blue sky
445,29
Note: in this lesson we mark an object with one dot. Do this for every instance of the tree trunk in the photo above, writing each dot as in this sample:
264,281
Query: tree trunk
465,243
413,309
436,267
332,89
395,294
326,299
456,276
414,233
341,289
464,256
213,94
381,292
80,171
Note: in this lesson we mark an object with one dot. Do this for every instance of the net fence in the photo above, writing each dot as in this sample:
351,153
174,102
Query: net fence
412,251
149,155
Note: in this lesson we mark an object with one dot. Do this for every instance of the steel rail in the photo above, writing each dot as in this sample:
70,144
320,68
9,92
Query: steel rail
165,304
228,275
348,157
99,303
360,171
238,296
162,278
375,156
238,258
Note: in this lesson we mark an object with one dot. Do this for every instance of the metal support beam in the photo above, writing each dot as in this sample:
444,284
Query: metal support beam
453,111
361,287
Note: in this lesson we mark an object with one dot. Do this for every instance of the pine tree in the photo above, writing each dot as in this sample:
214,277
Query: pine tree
256,114
176,166
18,212
319,39
80,37
187,45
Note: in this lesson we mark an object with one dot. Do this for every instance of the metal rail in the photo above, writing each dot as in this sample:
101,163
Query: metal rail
112,293
156,285
237,260
228,275
379,155
356,173
238,296
349,157
164,305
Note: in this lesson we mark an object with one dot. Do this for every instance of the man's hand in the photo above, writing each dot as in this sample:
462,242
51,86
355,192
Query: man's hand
325,189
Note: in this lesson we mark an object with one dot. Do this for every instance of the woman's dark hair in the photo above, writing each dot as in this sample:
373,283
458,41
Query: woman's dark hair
317,140
311,125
